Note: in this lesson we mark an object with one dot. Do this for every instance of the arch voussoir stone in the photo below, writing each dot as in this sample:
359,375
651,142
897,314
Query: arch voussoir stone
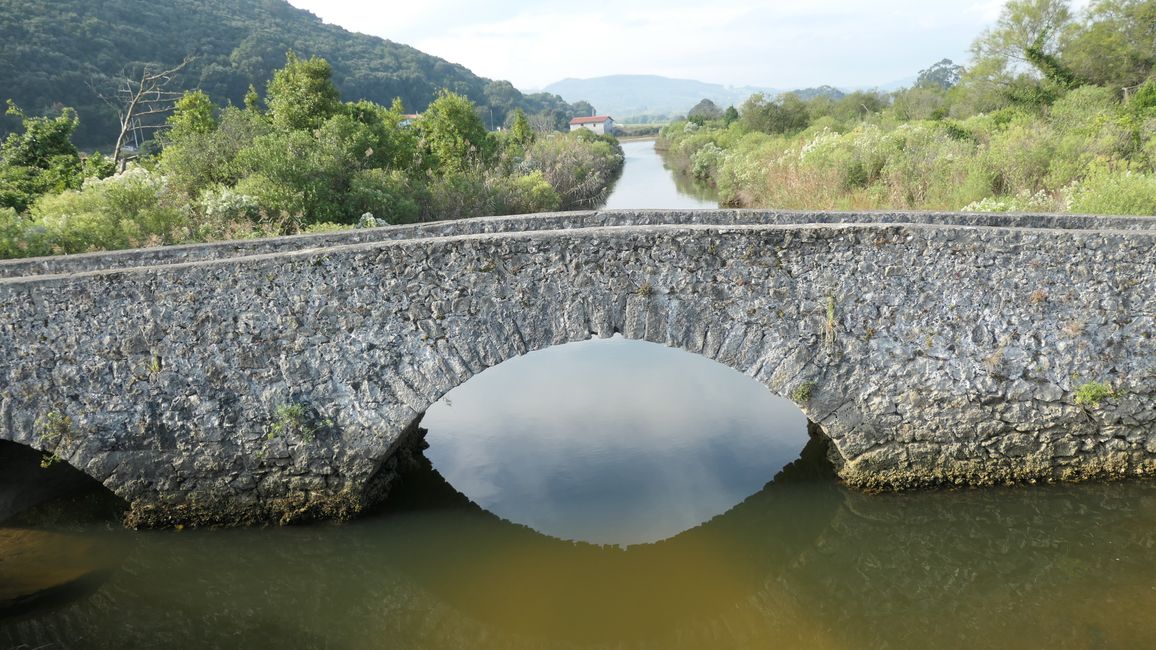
278,383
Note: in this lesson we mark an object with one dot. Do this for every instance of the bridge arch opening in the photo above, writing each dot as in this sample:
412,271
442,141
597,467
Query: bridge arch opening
39,489
612,441
47,507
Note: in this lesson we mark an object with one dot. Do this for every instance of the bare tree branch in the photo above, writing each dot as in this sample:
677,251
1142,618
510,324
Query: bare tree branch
137,95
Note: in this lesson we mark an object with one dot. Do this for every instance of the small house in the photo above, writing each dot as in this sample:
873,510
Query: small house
600,124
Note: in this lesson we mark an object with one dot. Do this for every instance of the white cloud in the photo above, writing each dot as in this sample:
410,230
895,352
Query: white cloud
773,43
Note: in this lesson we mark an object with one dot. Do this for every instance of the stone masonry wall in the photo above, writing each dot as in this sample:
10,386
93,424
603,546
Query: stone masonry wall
278,386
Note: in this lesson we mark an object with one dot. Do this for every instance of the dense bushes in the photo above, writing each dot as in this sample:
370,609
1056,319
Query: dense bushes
1088,151
580,166
133,209
1084,154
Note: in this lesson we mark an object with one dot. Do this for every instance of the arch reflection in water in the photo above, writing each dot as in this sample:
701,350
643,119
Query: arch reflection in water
611,441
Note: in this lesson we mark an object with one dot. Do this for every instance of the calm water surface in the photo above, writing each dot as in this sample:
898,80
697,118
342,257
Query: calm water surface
647,182
649,445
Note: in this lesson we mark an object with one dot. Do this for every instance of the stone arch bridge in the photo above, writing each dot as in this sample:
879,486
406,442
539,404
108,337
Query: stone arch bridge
276,380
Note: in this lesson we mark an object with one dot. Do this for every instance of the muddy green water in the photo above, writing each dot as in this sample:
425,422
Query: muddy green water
802,564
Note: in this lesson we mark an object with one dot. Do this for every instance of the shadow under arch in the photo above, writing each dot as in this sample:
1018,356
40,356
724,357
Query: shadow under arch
38,488
582,592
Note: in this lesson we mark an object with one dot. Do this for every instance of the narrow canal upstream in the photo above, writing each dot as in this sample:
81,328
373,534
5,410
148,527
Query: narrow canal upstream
647,182
601,494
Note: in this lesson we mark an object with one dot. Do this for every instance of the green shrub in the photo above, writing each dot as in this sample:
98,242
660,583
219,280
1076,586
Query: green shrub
202,160
133,209
803,392
705,162
1092,393
579,166
297,420
16,238
1107,191
522,194
456,195
390,196
1020,157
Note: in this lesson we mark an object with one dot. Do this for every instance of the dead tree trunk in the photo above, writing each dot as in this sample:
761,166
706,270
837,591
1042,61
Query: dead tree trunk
140,95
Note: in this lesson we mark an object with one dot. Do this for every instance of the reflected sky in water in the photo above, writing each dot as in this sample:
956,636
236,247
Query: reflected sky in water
611,441
647,184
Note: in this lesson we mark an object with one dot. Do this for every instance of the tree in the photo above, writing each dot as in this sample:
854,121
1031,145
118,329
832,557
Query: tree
920,102
705,110
306,175
40,160
730,116
545,121
1018,60
201,160
140,97
453,133
943,75
252,99
1115,45
394,147
520,130
787,114
192,114
1022,25
301,95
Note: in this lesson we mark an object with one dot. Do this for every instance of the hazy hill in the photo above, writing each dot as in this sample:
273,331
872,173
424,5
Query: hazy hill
630,97
55,53
624,96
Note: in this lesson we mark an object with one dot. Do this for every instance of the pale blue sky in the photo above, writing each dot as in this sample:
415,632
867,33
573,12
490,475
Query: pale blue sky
776,43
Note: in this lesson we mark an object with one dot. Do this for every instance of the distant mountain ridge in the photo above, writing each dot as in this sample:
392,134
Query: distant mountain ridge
55,52
627,96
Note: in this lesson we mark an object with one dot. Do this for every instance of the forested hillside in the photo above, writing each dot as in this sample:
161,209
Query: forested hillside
68,52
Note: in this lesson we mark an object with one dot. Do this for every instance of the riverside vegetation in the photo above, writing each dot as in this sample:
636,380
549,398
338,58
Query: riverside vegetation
1056,113
300,160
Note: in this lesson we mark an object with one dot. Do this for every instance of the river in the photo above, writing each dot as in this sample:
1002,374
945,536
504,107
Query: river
647,182
616,494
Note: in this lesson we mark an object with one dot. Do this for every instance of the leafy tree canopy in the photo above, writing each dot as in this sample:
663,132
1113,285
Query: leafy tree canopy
301,94
38,160
454,134
705,109
944,74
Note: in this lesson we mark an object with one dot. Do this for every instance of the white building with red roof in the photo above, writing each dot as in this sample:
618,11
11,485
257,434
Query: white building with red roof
600,124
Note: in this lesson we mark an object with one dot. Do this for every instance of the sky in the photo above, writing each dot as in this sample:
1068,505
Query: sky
766,43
